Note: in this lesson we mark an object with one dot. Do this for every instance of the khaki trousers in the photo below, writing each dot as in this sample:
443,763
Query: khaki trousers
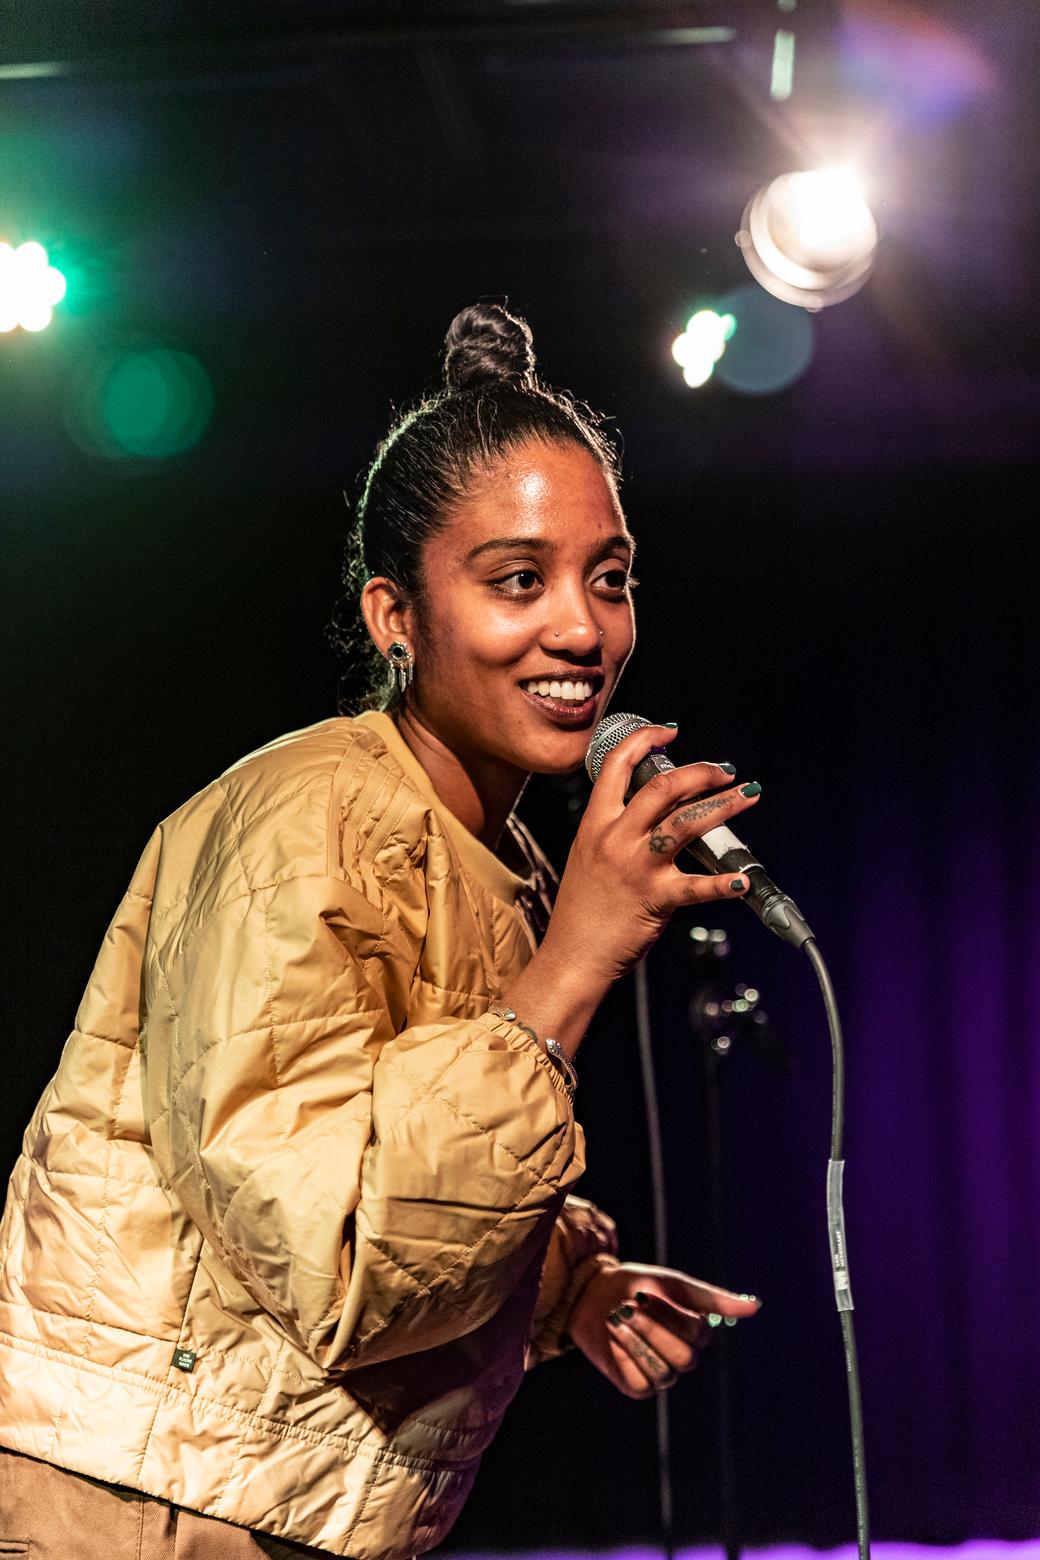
47,1513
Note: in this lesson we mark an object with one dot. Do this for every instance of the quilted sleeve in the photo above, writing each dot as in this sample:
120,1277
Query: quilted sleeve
377,1193
584,1240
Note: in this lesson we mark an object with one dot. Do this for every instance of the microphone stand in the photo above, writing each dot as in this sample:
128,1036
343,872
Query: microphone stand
719,1021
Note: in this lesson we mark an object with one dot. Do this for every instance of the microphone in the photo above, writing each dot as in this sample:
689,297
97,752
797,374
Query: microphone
719,849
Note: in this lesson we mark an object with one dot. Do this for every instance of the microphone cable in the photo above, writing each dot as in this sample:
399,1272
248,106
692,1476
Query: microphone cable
839,1246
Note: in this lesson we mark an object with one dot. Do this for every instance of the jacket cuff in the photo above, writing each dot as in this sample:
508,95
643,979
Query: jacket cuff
521,1039
584,1243
583,1276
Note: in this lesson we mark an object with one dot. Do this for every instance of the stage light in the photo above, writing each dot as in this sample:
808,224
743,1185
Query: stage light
810,238
29,287
702,344
782,78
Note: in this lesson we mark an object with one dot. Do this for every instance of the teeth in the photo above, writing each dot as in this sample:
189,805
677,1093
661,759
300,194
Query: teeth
570,692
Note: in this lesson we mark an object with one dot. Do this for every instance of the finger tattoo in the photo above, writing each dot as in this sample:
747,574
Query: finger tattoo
699,810
651,1362
659,842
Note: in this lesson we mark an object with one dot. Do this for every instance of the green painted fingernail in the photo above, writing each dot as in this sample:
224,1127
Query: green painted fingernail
613,1319
731,1321
728,769
626,1311
738,885
672,724
641,1297
714,1319
751,789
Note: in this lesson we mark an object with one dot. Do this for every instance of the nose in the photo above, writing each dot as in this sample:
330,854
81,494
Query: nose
572,626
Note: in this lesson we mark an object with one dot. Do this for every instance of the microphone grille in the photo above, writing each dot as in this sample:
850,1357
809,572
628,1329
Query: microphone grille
607,735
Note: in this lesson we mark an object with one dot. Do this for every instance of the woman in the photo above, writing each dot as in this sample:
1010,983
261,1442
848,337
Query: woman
292,1217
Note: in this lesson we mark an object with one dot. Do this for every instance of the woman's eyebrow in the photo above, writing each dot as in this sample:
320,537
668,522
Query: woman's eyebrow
512,544
620,542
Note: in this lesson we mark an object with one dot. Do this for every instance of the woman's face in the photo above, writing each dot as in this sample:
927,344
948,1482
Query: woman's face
526,620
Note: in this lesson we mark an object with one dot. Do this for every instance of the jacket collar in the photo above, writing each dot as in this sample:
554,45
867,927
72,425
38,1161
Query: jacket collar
483,863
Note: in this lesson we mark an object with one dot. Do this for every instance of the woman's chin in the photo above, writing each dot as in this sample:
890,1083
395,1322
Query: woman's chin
560,755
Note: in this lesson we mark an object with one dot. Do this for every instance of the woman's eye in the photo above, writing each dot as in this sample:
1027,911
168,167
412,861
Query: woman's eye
617,581
520,583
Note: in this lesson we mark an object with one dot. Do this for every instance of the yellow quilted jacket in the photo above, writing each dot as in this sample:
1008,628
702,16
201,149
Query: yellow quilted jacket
291,1219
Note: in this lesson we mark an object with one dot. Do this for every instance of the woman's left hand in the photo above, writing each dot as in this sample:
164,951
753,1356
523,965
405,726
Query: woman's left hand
644,1326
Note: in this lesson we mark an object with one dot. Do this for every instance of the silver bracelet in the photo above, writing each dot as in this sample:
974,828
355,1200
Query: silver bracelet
556,1051
553,1047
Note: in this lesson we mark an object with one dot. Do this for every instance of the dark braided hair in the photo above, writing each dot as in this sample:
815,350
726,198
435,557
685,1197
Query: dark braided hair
492,401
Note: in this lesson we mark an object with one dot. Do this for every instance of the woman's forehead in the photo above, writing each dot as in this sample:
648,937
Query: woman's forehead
557,493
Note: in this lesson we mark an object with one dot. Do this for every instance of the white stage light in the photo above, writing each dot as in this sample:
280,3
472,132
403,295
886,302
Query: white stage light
810,238
29,287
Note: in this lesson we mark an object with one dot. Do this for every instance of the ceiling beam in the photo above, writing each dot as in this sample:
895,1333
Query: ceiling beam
518,25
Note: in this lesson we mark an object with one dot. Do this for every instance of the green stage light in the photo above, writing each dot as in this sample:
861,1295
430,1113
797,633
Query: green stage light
29,287
702,344
783,65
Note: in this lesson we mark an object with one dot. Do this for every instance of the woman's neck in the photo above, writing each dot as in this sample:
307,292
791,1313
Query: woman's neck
480,792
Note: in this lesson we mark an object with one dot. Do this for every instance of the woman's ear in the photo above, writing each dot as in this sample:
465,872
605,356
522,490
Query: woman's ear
387,613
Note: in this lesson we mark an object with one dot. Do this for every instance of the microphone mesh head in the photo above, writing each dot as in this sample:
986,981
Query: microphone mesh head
607,735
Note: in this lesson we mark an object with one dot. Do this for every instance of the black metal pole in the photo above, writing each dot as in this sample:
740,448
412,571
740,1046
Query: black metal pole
714,1060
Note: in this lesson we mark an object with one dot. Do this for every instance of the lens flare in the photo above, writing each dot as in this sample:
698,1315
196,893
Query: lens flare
144,402
810,238
773,346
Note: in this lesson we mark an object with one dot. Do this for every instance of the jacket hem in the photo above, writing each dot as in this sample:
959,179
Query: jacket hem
164,1390
134,1418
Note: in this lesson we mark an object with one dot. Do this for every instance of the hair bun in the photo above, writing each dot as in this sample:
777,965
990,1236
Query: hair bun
487,345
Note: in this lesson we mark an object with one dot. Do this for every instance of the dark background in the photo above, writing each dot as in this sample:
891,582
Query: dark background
838,595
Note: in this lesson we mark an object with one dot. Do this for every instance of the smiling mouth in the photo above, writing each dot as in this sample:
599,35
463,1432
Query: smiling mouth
566,691
567,701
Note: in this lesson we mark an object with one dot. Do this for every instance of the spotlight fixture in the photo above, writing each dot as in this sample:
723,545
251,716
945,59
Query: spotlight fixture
810,238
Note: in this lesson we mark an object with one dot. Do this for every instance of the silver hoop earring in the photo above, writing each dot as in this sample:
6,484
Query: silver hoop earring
402,663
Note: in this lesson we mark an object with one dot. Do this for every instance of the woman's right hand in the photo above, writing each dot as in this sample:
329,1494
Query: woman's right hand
621,884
